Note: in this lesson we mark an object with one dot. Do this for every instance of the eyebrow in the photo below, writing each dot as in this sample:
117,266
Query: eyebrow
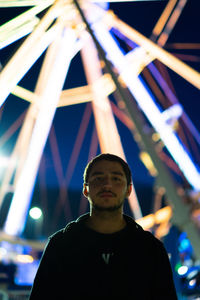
101,173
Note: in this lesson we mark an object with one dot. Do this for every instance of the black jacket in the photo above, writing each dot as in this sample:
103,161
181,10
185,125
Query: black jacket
79,263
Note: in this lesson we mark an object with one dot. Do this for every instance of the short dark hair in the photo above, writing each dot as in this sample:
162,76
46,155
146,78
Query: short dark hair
109,157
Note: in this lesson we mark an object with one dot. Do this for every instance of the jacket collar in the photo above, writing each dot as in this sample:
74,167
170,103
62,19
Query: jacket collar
80,220
129,220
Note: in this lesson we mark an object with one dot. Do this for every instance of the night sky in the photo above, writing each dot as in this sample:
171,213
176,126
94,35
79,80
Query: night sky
67,121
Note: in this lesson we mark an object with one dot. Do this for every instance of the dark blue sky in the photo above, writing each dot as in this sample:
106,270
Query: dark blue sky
142,16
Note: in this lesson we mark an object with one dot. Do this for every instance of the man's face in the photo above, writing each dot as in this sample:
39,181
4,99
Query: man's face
107,186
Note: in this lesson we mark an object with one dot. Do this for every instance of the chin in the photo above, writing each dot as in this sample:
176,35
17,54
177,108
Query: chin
107,208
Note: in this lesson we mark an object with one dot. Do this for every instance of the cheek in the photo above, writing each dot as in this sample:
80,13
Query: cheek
126,193
91,193
123,187
121,191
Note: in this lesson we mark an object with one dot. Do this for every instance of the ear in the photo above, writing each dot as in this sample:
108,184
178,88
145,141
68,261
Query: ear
85,190
129,189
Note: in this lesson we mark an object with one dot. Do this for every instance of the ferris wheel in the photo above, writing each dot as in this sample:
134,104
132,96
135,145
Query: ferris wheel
118,62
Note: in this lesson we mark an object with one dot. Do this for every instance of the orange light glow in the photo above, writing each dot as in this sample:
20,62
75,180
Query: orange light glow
147,222
162,217
25,259
164,17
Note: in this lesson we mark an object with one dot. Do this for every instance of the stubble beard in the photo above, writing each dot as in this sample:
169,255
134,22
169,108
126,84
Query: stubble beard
113,208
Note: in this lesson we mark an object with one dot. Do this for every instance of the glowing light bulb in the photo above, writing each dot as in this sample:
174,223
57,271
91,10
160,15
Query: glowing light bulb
182,270
35,213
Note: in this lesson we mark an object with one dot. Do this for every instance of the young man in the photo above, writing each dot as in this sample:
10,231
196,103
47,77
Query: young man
104,254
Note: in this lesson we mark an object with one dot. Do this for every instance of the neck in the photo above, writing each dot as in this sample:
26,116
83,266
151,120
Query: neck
106,222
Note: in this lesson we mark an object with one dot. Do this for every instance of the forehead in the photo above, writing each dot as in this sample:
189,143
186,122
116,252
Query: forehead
105,166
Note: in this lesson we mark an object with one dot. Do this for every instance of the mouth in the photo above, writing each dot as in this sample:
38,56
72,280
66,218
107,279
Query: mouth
106,194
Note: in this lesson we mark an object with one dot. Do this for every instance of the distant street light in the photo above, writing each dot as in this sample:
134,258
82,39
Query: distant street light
35,213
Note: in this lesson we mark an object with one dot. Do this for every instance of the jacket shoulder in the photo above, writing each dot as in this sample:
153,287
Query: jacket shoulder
145,235
72,226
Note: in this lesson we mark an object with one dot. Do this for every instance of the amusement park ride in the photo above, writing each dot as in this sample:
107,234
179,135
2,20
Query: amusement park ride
62,28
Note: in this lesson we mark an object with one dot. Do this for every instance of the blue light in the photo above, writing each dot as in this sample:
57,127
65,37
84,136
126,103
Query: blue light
184,244
25,273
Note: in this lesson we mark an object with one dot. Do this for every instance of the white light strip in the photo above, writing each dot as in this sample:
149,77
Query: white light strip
147,104
17,34
14,3
172,113
23,18
49,98
17,68
28,53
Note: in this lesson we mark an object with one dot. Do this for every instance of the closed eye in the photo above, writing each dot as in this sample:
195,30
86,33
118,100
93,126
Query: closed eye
98,179
117,179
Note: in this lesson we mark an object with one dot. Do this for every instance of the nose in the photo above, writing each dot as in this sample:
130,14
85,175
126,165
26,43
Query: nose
107,182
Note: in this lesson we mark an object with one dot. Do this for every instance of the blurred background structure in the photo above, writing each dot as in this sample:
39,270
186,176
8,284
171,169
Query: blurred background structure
83,77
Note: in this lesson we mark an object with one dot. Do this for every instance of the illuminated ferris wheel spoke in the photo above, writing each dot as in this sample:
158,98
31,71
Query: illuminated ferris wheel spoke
14,3
48,89
166,58
30,50
109,138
